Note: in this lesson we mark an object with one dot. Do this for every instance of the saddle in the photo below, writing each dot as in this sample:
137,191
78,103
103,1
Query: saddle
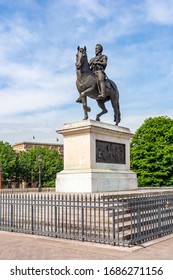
107,83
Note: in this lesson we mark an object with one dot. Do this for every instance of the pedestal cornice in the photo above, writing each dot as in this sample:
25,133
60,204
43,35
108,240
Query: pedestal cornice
87,126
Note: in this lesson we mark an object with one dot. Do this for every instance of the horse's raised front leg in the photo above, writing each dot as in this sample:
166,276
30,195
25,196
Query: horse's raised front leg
101,104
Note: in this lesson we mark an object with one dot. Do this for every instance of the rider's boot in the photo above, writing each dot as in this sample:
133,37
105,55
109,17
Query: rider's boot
79,100
102,90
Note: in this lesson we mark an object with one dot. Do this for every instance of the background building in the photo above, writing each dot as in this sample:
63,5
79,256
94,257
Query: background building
26,146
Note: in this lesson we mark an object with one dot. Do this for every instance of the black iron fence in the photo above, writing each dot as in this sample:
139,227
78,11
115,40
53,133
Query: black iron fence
25,190
111,219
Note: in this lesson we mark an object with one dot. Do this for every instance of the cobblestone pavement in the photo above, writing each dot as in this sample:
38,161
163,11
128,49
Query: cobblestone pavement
15,246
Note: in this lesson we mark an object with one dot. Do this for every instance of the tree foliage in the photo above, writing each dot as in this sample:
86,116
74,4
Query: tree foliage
24,166
8,159
51,164
152,152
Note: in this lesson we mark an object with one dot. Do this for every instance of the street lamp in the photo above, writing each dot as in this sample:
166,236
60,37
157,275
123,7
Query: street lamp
40,166
0,175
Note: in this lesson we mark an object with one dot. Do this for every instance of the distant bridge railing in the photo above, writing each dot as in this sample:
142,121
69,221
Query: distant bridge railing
123,220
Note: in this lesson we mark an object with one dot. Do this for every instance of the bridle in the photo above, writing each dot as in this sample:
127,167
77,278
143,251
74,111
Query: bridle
81,54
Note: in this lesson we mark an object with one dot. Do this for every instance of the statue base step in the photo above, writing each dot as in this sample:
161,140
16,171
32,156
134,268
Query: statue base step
94,181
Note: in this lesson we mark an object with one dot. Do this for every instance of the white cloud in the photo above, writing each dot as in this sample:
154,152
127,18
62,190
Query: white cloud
159,11
37,70
90,10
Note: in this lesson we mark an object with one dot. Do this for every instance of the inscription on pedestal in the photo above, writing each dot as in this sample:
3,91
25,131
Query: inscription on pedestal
109,152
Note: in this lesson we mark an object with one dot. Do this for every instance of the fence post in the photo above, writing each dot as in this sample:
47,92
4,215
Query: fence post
138,223
32,219
83,239
11,224
56,222
113,217
159,219
0,210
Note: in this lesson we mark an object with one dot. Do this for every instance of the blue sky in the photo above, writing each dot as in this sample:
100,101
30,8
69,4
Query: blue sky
38,43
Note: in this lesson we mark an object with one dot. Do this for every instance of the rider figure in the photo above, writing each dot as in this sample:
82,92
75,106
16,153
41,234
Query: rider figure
98,65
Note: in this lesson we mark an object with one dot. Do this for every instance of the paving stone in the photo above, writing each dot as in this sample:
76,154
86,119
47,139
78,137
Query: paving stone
16,246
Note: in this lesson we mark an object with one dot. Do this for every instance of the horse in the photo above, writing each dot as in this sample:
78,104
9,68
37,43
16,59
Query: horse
87,86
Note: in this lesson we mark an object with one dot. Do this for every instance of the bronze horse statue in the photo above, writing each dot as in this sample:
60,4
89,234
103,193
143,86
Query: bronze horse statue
86,84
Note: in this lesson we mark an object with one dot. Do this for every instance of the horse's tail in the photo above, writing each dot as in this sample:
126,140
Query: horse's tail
113,85
115,102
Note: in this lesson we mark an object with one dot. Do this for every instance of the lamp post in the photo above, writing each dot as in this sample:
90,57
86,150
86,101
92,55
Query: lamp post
40,166
0,175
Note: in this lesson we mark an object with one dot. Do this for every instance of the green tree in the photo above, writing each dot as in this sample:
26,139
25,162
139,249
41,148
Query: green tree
8,159
51,164
152,152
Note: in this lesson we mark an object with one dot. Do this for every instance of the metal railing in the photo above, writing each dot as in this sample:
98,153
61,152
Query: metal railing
111,219
25,190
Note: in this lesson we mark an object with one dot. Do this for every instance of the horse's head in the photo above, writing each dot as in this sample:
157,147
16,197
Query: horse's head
81,57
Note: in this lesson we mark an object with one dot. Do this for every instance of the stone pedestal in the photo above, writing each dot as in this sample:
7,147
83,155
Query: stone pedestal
96,158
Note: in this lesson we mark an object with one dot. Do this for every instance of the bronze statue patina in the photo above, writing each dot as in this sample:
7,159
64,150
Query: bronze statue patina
93,82
98,65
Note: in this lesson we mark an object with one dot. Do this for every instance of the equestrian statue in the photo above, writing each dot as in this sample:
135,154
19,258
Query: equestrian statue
93,82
